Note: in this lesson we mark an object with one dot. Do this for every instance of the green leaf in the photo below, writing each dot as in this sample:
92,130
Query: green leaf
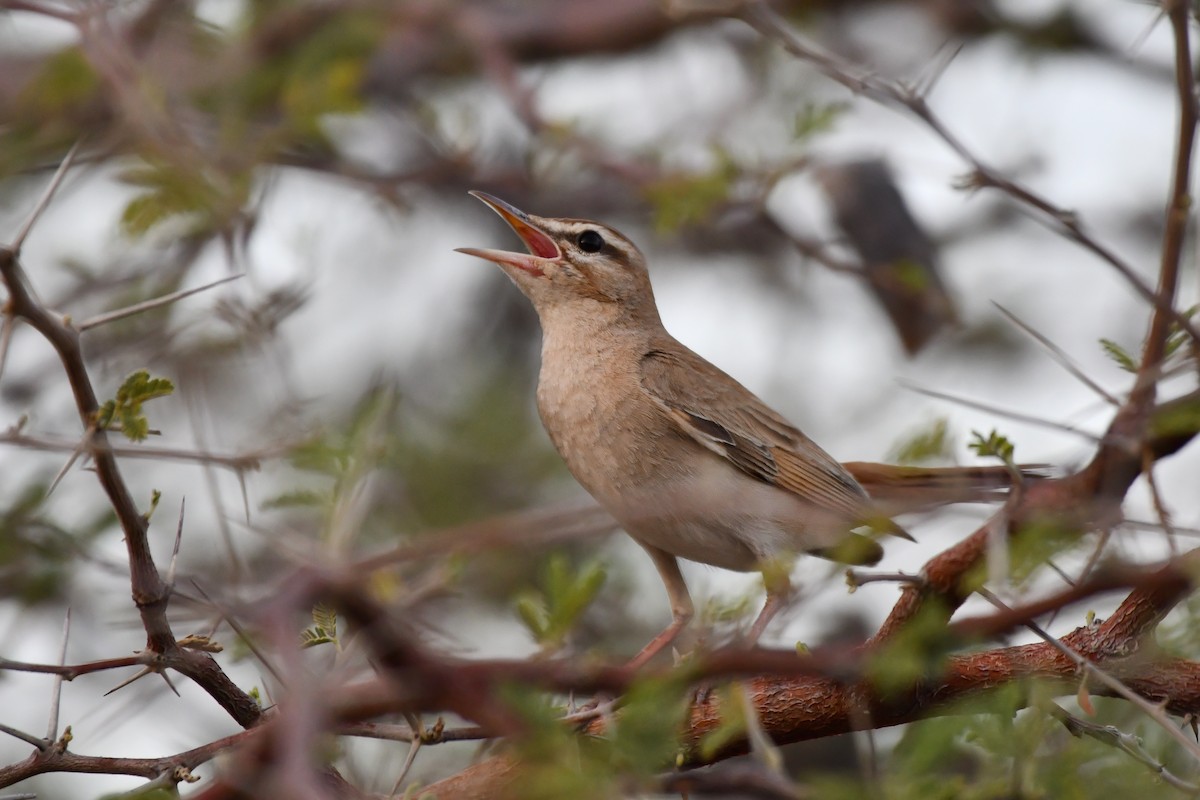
690,199
1119,355
916,653
124,412
552,610
994,445
65,82
1177,336
931,443
324,631
731,728
299,498
817,118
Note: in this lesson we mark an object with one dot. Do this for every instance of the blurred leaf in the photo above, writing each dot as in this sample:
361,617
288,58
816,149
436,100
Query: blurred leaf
65,82
690,198
37,555
1176,418
206,200
915,654
557,762
646,736
931,443
732,727
1037,541
298,498
552,611
817,118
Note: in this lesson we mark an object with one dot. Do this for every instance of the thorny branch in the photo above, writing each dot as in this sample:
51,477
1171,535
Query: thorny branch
796,697
150,593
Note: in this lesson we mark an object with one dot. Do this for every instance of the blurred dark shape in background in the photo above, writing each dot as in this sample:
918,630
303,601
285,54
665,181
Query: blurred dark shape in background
899,261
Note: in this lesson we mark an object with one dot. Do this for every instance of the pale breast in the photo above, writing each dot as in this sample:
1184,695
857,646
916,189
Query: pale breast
664,488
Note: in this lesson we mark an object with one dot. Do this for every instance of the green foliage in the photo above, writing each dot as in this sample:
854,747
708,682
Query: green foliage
65,82
37,555
817,118
1036,542
733,725
911,275
320,73
916,653
1119,355
485,454
1176,419
993,445
124,412
558,762
552,610
206,200
324,629
155,498
345,457
691,198
1179,634
1002,744
442,466
1177,336
930,443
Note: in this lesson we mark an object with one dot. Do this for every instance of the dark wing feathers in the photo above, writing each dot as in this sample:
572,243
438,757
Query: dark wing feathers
725,417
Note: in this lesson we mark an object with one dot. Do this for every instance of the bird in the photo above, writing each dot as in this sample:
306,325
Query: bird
689,462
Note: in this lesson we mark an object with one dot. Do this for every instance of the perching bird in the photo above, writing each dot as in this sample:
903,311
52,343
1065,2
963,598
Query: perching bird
689,461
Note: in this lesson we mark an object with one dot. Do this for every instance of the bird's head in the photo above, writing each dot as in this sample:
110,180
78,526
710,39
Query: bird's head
572,261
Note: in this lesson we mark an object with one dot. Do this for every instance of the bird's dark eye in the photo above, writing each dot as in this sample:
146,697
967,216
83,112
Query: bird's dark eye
590,242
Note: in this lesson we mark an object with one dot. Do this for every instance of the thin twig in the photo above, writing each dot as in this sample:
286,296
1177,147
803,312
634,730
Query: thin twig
148,305
1125,742
75,454
29,738
1179,206
56,694
175,550
1155,712
246,638
1001,412
44,201
235,462
1059,355
73,671
413,748
6,332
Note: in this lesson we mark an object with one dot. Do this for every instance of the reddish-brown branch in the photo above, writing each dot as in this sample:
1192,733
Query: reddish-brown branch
809,707
1179,204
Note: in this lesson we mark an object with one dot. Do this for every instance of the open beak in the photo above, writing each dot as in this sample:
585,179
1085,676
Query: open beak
542,248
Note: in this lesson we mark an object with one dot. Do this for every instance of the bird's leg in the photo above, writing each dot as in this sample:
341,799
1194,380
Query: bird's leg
779,591
681,604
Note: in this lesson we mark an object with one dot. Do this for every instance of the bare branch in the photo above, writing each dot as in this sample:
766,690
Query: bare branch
43,201
158,302
56,695
1000,412
1059,355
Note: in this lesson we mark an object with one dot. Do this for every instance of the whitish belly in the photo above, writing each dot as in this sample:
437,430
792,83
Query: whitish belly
720,516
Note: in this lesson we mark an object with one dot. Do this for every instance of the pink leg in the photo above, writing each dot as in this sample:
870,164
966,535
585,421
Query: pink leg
681,604
777,597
